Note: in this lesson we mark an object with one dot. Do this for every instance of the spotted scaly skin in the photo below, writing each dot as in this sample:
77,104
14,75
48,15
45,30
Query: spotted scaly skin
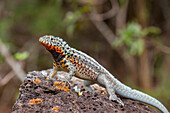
85,67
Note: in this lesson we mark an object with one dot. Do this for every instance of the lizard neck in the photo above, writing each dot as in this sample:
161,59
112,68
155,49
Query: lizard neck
57,56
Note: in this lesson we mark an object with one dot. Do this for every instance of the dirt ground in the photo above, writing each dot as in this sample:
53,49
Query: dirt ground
40,94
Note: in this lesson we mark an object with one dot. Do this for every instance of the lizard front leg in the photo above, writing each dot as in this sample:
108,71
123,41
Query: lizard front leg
54,71
66,64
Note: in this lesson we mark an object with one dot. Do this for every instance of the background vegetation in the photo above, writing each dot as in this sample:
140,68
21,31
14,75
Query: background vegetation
128,37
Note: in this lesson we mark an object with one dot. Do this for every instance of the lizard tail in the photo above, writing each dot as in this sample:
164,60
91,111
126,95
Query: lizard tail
128,92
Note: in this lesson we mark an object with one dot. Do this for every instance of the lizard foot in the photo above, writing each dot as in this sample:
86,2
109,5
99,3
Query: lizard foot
115,98
89,88
67,80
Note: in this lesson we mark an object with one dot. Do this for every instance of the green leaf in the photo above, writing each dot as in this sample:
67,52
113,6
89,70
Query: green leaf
152,30
21,56
134,29
137,47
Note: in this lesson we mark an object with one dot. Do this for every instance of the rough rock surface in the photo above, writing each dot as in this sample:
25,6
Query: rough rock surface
40,94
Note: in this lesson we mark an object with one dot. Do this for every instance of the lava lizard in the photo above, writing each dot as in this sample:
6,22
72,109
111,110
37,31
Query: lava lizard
85,67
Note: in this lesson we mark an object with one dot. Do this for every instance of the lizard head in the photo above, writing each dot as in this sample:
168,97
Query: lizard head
54,44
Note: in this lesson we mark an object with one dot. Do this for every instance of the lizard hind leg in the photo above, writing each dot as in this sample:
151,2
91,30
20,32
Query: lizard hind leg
108,82
112,95
87,85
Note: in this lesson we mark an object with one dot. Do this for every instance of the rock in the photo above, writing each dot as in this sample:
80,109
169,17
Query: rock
41,94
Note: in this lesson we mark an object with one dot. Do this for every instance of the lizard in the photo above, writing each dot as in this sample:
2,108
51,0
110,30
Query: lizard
83,66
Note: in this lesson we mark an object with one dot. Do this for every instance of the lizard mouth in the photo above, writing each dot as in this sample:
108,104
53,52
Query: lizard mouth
41,39
47,42
45,39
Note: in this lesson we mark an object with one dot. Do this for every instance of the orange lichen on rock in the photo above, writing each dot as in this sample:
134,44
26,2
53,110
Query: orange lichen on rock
104,92
61,86
35,101
55,109
47,78
73,102
62,83
56,83
37,80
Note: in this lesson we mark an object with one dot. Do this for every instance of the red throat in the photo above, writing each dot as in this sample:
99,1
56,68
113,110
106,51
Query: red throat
50,47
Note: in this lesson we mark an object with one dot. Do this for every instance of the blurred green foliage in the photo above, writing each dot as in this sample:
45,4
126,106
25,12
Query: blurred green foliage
72,17
21,56
122,2
132,37
44,17
49,17
5,25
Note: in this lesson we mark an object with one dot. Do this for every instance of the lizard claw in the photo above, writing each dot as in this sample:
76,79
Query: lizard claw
115,98
67,80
